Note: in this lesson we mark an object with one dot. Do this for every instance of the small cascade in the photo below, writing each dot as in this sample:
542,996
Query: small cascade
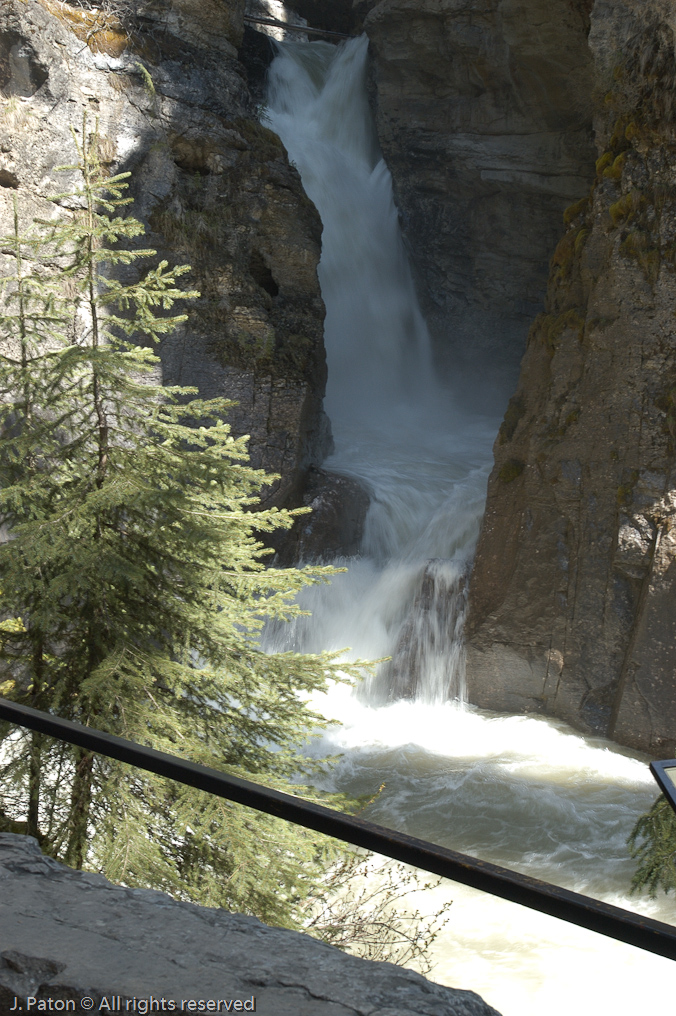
428,662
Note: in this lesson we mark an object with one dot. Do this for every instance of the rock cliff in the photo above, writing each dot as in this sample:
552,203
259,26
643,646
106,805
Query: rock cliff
214,187
573,596
484,116
68,938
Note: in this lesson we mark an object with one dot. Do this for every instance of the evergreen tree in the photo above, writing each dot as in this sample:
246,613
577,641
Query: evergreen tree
133,584
653,843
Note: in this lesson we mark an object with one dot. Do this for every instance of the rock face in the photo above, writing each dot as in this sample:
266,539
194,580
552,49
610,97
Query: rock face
214,187
573,596
70,937
484,116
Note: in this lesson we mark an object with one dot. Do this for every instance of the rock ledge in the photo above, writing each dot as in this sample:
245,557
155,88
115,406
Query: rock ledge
73,938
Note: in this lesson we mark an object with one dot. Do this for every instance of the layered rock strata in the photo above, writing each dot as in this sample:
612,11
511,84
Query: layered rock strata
71,941
573,596
214,187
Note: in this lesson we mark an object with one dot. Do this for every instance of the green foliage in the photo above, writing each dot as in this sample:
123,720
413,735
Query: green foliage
574,211
604,162
133,585
581,239
148,82
622,210
653,844
615,170
563,259
550,328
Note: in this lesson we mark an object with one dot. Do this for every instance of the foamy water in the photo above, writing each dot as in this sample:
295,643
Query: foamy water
527,793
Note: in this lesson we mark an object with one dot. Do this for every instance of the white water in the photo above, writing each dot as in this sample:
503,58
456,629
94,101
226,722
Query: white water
395,429
524,792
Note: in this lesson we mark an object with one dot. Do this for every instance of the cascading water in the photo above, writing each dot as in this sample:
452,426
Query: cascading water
395,429
524,792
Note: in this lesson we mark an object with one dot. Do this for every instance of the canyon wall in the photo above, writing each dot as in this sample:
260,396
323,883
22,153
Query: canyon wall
573,596
492,114
213,186
484,116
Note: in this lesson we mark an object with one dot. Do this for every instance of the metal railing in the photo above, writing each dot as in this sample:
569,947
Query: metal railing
664,772
613,922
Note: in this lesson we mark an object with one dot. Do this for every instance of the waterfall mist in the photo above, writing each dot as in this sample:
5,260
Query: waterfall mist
521,791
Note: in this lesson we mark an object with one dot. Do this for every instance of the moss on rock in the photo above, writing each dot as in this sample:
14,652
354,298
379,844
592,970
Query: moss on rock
511,470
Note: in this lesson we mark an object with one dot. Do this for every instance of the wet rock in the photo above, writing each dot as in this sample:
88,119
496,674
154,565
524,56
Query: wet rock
71,936
335,526
256,54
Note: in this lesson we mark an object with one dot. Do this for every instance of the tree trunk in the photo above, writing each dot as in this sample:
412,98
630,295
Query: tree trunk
80,805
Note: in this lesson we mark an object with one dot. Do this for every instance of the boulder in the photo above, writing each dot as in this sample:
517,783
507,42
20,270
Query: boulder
335,525
71,941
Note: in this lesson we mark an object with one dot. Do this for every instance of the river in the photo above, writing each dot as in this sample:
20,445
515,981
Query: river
525,792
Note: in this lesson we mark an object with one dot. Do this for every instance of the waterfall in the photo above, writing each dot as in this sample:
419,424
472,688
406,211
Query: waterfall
520,791
395,428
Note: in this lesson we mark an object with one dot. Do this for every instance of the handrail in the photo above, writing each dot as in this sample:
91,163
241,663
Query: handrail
273,22
583,911
666,783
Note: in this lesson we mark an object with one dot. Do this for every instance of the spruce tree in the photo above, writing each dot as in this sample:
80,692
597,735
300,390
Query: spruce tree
133,583
653,844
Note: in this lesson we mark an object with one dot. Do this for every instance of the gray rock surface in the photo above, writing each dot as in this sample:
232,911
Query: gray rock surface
484,114
68,935
572,606
214,187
